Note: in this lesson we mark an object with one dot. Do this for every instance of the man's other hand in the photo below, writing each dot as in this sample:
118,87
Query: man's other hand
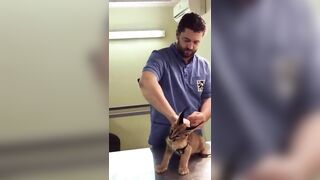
196,118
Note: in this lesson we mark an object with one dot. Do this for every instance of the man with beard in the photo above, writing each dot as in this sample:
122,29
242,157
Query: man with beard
176,78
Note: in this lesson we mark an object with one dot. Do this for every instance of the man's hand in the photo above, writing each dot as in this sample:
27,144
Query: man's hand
276,168
172,119
301,161
196,118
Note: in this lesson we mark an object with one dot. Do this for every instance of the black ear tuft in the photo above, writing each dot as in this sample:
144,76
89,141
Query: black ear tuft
181,116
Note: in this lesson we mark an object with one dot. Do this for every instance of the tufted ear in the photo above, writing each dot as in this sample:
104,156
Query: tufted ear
180,120
193,127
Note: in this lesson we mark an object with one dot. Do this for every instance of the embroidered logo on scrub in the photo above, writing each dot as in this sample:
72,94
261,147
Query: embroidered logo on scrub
200,85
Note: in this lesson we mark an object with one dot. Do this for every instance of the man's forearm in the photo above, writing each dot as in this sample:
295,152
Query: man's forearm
153,93
305,150
206,109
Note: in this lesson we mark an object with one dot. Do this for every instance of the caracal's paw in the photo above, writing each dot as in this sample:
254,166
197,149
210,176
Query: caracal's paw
183,171
161,169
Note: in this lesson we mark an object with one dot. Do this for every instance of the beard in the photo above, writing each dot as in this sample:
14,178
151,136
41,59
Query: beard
185,52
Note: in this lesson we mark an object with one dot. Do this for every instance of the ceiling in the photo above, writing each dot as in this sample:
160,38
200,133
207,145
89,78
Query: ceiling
140,0
141,3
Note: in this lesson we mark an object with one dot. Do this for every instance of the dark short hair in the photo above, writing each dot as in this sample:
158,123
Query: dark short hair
192,21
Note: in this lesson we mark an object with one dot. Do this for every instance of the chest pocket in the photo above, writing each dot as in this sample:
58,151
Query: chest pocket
197,84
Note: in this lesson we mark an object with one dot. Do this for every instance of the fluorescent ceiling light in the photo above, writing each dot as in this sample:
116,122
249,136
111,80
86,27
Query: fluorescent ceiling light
136,34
